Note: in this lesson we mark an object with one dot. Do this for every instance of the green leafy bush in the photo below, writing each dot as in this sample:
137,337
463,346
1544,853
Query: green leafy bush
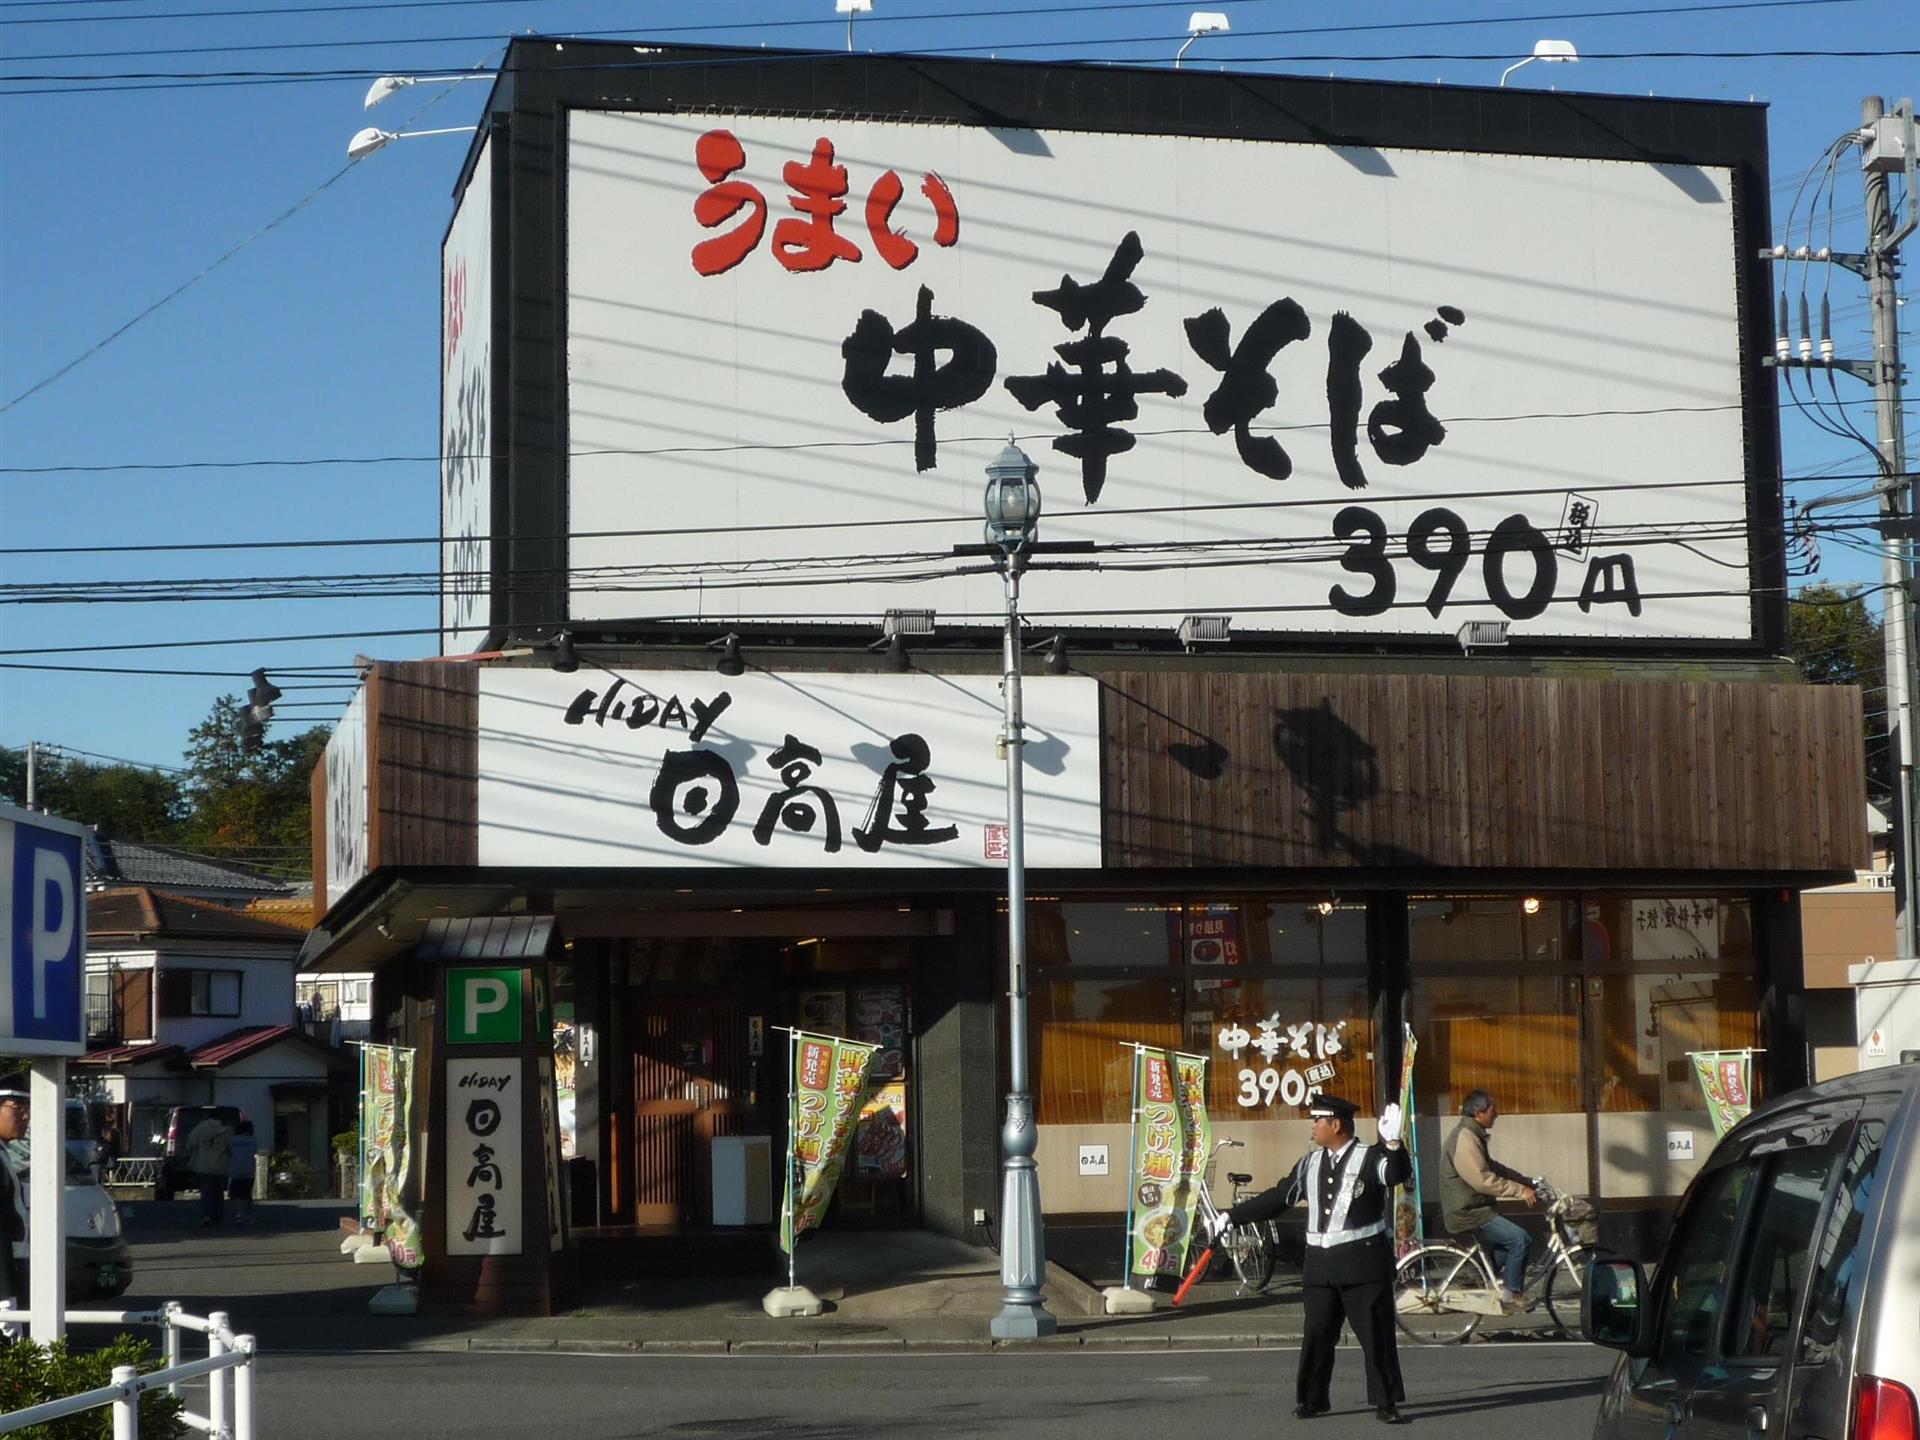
347,1143
32,1374
290,1177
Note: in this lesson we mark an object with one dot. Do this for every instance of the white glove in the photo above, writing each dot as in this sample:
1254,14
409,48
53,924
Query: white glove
1217,1225
1391,1125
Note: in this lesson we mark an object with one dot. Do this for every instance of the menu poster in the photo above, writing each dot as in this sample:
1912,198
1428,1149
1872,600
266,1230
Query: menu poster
880,1018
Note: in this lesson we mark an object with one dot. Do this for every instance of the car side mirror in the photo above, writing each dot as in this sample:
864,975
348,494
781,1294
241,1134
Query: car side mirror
1610,1310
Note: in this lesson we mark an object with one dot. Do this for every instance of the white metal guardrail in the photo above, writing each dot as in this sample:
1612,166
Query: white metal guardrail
227,1366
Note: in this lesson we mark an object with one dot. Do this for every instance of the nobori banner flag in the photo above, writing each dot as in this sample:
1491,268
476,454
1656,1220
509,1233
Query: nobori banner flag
1725,1078
1172,1138
828,1088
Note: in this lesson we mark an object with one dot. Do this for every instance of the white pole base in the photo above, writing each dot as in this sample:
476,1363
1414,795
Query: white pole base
1121,1300
791,1301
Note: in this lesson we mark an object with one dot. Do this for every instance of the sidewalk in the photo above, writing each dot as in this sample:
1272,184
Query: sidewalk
286,1282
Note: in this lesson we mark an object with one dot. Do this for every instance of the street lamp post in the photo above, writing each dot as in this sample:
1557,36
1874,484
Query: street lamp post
1013,514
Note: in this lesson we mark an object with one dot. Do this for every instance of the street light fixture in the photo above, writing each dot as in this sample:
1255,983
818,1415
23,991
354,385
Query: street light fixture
372,139
851,8
1013,517
389,85
1554,52
1201,22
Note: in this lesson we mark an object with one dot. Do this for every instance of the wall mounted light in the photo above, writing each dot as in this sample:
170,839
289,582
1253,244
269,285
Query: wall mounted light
729,662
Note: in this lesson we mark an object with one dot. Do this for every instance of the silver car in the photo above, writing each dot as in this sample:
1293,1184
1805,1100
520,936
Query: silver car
1787,1304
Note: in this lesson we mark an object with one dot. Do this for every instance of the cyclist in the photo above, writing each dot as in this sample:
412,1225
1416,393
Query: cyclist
1347,1187
1471,1180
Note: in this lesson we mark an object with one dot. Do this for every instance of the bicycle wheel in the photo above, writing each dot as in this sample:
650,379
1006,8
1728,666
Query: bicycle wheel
1563,1291
1252,1255
1423,1287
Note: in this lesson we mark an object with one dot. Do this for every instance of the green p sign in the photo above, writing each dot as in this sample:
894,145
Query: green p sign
483,1007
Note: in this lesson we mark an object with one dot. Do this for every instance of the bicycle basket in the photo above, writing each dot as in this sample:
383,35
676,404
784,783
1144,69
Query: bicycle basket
1582,1219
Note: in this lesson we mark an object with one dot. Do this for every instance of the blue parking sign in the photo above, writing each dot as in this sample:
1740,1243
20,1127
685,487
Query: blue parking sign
43,935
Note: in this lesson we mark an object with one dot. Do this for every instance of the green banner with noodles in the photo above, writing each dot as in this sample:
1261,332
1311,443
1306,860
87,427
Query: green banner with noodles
1725,1078
386,1151
1172,1139
1409,1223
829,1085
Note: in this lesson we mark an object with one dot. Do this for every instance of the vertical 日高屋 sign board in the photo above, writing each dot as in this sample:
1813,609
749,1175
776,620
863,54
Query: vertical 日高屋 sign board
486,1183
1172,1139
828,1086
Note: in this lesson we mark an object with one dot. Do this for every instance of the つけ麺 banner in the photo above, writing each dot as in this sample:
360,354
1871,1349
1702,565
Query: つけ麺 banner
1725,1078
1172,1138
828,1088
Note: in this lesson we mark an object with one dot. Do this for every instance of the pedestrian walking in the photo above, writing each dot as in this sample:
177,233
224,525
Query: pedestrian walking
1471,1181
209,1155
13,1199
1347,1187
245,1148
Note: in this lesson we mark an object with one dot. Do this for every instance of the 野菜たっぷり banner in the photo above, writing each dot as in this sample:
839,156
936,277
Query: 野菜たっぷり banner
1317,395
767,770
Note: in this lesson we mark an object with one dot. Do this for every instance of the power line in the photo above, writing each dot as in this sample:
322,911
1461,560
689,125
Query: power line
1346,497
111,759
235,14
57,83
194,280
846,619
653,32
877,442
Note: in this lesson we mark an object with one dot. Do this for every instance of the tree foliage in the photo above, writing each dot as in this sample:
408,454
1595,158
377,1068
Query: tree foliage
245,809
1833,638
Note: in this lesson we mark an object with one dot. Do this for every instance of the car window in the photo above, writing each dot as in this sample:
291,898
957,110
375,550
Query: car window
1774,1269
1838,1243
1697,1270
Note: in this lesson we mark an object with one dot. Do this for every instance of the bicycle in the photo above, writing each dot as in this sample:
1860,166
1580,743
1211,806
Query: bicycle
1250,1248
1446,1287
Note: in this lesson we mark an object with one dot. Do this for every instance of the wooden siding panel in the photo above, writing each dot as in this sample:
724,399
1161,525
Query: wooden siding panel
423,764
1404,771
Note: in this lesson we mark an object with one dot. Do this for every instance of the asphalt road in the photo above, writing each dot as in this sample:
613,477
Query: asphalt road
1455,1394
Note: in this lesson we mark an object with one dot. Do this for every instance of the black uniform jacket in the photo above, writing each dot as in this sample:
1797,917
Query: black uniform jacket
1350,1243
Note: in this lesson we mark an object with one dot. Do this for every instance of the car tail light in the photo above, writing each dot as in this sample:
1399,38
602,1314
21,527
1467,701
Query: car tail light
1884,1410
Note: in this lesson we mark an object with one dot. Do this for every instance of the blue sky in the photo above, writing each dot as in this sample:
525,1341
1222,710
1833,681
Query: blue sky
319,338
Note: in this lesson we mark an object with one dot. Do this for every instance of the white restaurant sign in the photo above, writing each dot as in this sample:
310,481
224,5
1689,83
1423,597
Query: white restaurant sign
799,770
466,414
1346,396
486,1184
347,828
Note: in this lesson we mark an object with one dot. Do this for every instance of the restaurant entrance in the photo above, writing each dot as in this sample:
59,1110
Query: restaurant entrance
709,1019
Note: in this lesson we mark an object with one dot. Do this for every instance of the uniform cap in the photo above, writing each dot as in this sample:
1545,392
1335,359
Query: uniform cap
1334,1106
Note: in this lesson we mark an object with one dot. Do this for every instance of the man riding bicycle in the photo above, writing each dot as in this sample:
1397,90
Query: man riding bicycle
1471,1180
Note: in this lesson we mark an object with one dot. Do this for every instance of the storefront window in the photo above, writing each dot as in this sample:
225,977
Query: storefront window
1271,1041
1493,1006
1081,1029
1317,932
1101,933
1652,1025
1287,974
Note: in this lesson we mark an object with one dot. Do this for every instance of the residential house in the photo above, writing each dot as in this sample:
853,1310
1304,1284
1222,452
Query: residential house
190,1002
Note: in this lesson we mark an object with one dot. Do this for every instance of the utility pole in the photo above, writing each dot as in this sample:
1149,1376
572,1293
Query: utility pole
1886,146
33,765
